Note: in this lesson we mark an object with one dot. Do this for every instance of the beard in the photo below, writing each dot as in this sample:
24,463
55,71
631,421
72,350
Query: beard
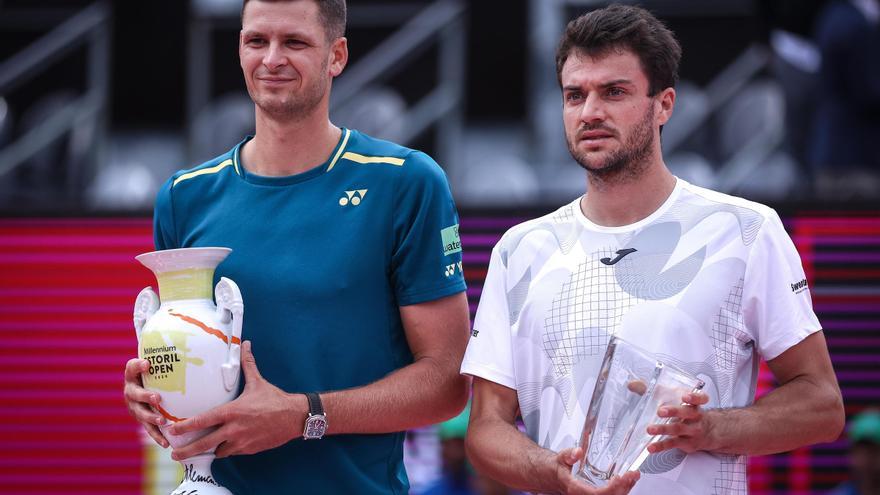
623,164
292,105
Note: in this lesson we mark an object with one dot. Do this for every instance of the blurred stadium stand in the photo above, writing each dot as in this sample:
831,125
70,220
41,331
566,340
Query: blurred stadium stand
431,74
57,144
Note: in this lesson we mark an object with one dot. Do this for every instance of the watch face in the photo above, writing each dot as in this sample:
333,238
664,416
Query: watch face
315,427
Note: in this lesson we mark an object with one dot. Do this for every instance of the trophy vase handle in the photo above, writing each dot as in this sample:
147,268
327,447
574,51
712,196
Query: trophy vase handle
145,305
230,307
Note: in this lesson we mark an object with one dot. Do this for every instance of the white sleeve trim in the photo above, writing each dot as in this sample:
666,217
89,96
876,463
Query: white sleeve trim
490,373
787,341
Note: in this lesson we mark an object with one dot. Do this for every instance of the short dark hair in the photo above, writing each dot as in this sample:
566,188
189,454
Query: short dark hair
600,31
332,12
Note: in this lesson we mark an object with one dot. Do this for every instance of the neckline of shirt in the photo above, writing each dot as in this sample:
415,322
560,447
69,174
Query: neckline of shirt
286,180
586,222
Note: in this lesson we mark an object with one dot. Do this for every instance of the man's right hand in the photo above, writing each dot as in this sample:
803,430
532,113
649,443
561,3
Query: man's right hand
570,484
138,399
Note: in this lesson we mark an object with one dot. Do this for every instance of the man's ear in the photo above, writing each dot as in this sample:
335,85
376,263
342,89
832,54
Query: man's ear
665,102
338,56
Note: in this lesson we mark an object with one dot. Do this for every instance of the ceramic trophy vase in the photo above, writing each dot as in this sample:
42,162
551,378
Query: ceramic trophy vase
193,346
631,386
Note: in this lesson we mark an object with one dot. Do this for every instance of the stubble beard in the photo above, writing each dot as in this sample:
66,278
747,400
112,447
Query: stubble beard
627,163
292,106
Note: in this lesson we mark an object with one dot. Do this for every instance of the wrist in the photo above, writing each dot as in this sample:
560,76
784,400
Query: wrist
298,408
711,442
546,469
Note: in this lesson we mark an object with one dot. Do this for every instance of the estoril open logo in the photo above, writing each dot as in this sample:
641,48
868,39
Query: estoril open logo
353,197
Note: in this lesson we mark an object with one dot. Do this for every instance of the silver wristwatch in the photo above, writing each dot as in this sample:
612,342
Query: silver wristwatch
316,422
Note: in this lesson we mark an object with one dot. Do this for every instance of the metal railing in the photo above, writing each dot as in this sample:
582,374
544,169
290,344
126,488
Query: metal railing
442,23
90,26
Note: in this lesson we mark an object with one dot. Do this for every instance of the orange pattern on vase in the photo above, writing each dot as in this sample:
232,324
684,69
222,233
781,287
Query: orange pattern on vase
206,328
167,414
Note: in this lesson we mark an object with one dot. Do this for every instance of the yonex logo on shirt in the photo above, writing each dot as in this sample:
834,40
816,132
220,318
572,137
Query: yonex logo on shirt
353,197
450,269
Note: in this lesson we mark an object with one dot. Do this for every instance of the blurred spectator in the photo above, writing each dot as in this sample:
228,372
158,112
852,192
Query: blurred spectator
788,27
421,456
846,127
458,477
864,456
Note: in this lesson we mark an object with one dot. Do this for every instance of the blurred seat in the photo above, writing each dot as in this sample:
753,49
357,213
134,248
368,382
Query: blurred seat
777,179
8,180
688,117
751,128
126,186
378,111
500,180
795,65
137,163
5,122
753,118
58,172
496,171
692,167
46,168
221,125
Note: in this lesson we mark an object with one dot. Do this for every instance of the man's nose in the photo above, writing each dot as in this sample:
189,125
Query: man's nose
274,57
593,109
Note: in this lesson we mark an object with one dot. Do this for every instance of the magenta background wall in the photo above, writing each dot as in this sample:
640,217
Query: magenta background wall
67,287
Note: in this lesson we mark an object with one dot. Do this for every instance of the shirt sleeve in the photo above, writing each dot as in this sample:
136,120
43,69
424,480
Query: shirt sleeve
426,261
489,352
777,306
164,232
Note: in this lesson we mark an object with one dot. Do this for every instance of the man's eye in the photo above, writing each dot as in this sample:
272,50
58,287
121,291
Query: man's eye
256,42
573,97
616,92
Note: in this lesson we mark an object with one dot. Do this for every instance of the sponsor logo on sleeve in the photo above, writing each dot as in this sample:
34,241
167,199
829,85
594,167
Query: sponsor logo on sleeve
799,287
451,269
451,240
474,333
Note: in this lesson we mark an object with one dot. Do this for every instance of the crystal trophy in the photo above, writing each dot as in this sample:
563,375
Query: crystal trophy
632,385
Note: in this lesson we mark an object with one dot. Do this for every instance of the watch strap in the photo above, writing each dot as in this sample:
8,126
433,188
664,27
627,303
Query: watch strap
315,406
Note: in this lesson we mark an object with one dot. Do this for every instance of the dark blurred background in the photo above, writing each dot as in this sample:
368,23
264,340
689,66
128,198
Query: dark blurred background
779,101
102,101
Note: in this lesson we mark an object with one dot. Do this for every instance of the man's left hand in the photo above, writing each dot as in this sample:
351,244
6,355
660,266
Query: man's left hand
689,428
261,418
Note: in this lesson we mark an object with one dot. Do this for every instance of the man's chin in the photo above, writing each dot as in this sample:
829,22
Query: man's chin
279,108
598,168
592,162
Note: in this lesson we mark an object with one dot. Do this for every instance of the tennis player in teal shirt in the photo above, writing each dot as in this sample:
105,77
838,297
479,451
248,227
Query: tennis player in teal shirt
347,253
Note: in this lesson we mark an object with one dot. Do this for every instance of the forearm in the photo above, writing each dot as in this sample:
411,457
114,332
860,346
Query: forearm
798,413
500,451
427,391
